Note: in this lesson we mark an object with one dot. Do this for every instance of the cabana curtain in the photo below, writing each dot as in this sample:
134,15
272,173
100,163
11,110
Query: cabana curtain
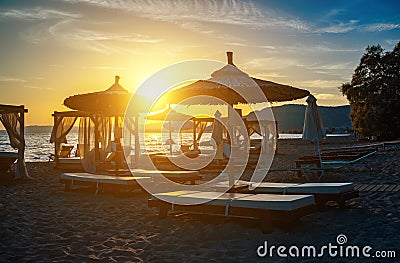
268,132
11,121
104,129
60,130
12,125
86,145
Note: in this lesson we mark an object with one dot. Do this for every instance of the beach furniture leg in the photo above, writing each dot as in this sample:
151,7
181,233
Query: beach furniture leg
320,202
299,172
163,211
304,174
97,188
266,223
67,186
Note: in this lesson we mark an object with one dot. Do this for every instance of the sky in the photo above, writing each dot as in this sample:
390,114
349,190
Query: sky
54,49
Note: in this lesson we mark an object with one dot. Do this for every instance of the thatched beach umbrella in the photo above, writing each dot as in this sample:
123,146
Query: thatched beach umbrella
168,114
225,82
112,102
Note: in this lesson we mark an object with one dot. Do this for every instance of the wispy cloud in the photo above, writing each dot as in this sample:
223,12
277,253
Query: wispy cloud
381,27
37,14
11,79
270,75
339,27
319,83
231,12
37,87
392,42
105,68
331,99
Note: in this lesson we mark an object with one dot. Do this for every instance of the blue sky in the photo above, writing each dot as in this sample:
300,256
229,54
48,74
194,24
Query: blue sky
53,49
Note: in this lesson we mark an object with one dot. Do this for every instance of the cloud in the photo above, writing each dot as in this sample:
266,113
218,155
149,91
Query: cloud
331,99
37,14
270,75
392,42
11,79
105,68
37,87
381,27
338,27
319,83
74,34
229,12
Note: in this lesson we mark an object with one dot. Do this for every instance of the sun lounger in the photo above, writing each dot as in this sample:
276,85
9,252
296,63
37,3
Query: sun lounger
266,207
73,163
175,176
100,181
323,192
6,160
304,171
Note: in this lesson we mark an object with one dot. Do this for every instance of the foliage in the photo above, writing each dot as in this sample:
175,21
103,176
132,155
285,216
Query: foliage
374,93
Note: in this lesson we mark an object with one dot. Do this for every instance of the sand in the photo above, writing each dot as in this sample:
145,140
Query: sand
39,222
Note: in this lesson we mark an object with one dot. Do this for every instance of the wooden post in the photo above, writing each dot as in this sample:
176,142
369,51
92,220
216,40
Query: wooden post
170,138
96,139
137,143
21,152
56,143
194,135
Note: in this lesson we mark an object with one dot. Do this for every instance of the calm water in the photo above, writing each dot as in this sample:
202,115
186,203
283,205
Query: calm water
38,146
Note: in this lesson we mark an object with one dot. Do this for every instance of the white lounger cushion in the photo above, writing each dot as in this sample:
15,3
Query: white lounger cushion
275,188
195,197
100,178
321,188
141,172
257,201
274,202
306,188
222,186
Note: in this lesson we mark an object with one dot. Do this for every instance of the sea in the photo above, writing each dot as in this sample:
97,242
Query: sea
38,146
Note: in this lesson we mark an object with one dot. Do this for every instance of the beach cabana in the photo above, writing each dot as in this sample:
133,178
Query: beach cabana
13,120
265,126
233,86
101,132
230,86
169,115
63,123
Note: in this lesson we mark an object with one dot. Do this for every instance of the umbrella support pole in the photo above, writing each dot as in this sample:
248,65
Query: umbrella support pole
320,160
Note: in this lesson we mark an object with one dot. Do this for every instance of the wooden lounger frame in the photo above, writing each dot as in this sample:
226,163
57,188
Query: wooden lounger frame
100,186
265,216
320,199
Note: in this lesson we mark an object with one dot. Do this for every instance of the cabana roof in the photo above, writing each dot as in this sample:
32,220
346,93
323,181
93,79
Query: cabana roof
4,108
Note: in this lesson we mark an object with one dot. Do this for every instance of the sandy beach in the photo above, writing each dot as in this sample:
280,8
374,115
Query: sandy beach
39,222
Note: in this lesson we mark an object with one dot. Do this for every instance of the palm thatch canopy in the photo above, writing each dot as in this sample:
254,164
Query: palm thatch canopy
168,114
224,84
112,101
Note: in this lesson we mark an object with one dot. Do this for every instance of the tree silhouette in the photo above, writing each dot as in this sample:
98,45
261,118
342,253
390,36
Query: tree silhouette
374,93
